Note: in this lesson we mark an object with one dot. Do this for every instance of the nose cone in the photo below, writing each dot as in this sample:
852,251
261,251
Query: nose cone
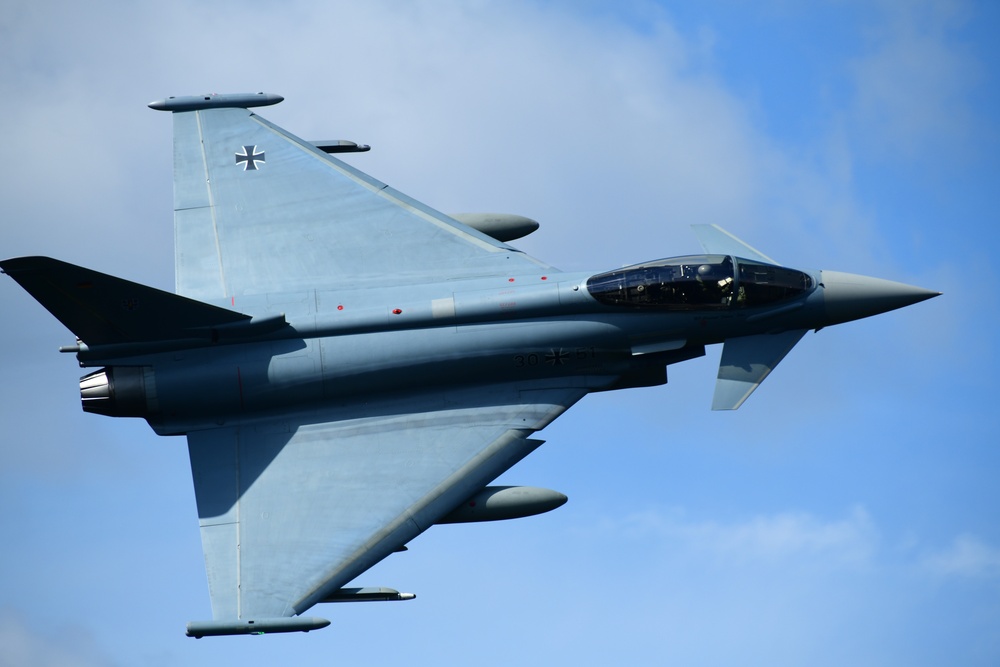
850,297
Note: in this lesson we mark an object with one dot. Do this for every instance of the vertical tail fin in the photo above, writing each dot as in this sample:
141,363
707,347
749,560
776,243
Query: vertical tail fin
101,309
717,241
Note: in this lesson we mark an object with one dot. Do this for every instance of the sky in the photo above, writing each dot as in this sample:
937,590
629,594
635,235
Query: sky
846,514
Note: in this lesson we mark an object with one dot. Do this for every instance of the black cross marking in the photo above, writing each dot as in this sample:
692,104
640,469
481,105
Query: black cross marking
250,157
556,357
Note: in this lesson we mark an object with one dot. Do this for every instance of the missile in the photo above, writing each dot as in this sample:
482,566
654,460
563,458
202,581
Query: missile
340,146
370,594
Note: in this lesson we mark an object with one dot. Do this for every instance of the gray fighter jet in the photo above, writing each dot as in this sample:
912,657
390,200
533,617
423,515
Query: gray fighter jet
351,367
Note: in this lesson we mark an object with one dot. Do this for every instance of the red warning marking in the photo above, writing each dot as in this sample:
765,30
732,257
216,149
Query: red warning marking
510,280
340,307
396,311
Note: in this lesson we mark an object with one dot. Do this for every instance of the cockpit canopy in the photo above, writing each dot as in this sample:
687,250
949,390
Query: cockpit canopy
698,282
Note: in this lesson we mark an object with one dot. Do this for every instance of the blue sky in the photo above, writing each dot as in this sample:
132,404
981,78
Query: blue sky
847,514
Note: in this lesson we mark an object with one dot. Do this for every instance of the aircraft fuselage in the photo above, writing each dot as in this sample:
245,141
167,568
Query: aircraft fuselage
340,347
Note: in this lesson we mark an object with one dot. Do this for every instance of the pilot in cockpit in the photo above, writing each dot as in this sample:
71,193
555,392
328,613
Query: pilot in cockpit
716,281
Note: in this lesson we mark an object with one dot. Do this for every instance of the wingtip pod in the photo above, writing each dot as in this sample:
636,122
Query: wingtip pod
215,101
199,629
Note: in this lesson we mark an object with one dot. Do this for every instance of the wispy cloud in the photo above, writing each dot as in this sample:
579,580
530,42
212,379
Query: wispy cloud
765,539
968,556
914,86
615,133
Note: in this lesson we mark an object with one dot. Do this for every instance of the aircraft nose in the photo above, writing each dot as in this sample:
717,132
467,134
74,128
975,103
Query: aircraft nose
848,296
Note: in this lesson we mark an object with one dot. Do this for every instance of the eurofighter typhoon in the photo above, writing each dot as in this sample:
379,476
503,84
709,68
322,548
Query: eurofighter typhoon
351,367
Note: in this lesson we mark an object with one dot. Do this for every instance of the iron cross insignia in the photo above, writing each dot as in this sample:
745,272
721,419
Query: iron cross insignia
556,357
249,158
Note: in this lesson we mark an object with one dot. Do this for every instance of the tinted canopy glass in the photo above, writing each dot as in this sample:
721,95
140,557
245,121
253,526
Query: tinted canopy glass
698,282
681,283
765,283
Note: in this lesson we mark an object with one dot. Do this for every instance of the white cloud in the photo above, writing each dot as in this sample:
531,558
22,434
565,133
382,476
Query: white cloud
594,128
767,539
913,88
615,137
968,556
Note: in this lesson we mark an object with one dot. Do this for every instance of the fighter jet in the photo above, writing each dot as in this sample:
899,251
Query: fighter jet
351,367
